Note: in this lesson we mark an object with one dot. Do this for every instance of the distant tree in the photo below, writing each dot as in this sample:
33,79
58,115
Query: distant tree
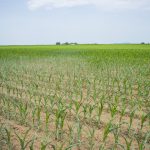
58,43
142,43
66,43
73,43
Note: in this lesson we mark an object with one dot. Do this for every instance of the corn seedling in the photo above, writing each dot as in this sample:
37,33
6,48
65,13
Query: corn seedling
108,128
91,133
79,127
131,119
113,109
7,139
142,142
47,119
90,110
23,111
44,146
99,110
77,108
23,140
122,112
128,143
71,134
38,115
59,121
143,119
85,110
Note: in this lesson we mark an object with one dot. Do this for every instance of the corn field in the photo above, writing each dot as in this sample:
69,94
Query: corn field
79,97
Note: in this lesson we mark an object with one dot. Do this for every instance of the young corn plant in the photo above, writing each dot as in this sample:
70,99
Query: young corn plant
23,111
108,129
71,135
6,109
52,103
14,108
131,120
47,117
118,85
143,119
79,127
125,86
113,109
90,110
44,145
88,90
70,105
39,101
122,112
77,108
33,115
7,138
128,143
60,116
85,110
45,103
95,95
23,140
91,133
99,110
116,133
142,143
38,115
31,147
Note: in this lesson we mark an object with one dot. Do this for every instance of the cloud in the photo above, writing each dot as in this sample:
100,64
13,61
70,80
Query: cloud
103,4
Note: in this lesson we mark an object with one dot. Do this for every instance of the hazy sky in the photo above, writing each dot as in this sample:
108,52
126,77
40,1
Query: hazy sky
82,21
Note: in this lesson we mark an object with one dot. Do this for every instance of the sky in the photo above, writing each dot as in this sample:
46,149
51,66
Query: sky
30,22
